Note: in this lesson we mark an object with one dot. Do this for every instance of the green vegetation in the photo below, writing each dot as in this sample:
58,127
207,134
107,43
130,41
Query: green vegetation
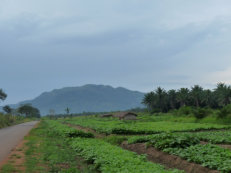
161,100
8,120
58,129
166,140
28,111
214,137
114,126
186,145
52,153
211,156
219,137
113,159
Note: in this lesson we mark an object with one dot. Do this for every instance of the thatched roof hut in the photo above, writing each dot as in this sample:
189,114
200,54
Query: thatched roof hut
126,115
106,115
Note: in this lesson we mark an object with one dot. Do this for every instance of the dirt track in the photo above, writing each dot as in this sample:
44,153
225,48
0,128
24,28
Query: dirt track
11,136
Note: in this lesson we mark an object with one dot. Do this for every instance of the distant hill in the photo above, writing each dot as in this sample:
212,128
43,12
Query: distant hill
88,98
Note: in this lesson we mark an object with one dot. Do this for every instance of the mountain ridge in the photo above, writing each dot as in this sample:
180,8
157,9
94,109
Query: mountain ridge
86,98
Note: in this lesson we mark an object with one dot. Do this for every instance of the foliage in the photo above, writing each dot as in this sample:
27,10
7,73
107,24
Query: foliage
113,159
8,119
185,110
113,126
224,112
3,95
29,111
164,101
115,140
46,153
214,137
7,109
200,113
56,128
211,156
166,140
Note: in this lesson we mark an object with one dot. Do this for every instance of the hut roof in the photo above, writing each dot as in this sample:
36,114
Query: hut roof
123,114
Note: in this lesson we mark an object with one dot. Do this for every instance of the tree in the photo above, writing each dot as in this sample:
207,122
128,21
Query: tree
172,99
161,99
223,94
7,109
29,111
67,110
148,100
196,95
3,95
183,96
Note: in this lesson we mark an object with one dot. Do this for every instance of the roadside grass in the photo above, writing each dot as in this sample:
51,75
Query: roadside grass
52,154
8,168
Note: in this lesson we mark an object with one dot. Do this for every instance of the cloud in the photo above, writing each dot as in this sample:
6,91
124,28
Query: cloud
135,44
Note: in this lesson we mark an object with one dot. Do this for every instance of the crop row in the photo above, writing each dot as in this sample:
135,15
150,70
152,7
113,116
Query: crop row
113,126
109,158
189,147
105,157
59,129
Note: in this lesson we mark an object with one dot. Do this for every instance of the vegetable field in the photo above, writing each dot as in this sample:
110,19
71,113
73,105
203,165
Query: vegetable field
114,126
109,145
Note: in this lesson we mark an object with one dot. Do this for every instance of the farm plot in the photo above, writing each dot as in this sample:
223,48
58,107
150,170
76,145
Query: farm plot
214,137
105,157
113,126
188,147
113,159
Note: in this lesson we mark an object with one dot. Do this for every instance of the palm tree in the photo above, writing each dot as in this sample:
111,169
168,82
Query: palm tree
172,99
149,99
183,96
223,94
197,95
161,97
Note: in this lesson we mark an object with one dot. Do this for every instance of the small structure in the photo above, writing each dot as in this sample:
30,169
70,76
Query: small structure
106,115
126,116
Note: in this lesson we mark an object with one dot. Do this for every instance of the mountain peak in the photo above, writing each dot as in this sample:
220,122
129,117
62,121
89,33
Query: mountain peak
88,98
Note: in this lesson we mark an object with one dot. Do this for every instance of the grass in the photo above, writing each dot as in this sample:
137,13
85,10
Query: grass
9,120
52,154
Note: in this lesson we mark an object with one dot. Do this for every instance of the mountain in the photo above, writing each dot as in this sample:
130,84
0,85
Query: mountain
88,98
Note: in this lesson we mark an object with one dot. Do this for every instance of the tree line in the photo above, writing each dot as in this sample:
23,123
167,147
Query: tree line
26,110
161,100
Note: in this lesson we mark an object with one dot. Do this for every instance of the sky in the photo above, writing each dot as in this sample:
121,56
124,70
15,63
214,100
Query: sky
137,44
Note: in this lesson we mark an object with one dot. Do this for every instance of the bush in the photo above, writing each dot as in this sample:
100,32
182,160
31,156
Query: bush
224,112
200,113
185,110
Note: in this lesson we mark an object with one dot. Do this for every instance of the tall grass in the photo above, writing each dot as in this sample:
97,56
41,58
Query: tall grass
8,119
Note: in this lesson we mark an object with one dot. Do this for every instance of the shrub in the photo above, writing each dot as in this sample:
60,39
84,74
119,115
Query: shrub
185,110
224,112
200,113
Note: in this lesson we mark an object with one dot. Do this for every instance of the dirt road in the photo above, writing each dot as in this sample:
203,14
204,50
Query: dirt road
11,136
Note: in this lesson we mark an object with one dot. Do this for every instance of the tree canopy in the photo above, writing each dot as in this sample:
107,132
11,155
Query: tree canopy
3,95
29,111
162,100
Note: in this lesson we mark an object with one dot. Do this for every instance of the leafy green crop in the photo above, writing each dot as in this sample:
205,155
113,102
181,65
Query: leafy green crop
112,159
209,155
214,137
113,126
166,140
56,128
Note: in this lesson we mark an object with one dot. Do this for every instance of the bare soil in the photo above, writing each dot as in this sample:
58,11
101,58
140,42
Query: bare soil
169,161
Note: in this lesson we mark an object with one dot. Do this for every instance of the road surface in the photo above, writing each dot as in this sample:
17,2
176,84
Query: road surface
11,136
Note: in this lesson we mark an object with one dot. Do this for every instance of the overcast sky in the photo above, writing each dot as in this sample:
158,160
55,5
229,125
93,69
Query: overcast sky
137,44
